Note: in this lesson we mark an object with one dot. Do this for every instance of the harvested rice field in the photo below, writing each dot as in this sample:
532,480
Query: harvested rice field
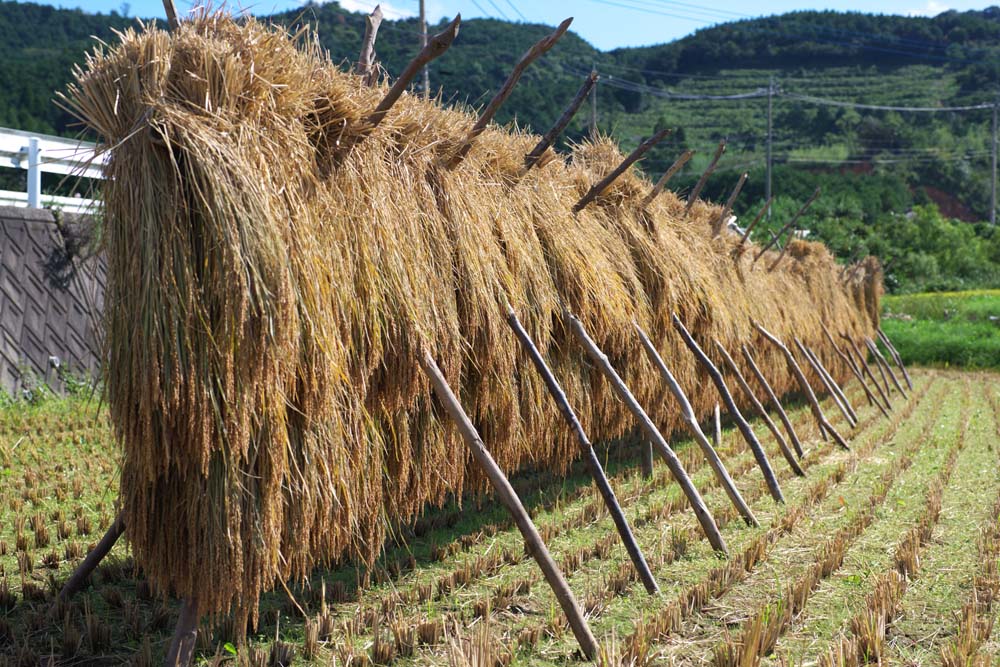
887,553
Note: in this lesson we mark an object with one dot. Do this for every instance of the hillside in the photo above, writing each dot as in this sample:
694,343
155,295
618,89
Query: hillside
871,163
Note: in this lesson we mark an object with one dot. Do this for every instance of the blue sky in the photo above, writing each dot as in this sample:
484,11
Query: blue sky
605,23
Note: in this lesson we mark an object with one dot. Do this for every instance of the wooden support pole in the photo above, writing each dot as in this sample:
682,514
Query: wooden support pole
691,420
734,412
646,458
93,559
693,195
435,48
727,210
885,365
701,512
789,428
804,385
632,158
847,359
717,426
867,369
181,650
532,540
895,355
740,380
838,390
173,22
763,210
667,175
533,158
589,456
788,225
848,415
531,55
366,60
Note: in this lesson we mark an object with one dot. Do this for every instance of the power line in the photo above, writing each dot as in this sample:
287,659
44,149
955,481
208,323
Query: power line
517,11
879,107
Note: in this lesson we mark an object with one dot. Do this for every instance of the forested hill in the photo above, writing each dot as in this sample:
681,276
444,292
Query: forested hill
874,165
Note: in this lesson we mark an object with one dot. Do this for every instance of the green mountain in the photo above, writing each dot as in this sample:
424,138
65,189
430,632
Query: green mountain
874,165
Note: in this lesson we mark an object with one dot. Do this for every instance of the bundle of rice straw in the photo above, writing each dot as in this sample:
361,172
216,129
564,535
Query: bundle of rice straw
273,280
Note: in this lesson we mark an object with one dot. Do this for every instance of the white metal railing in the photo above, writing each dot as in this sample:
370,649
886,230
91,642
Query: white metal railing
41,153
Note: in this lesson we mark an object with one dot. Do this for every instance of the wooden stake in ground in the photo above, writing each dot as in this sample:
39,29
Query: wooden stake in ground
804,385
701,512
532,158
530,56
895,355
740,380
667,175
885,365
847,359
589,457
693,195
789,428
532,540
867,369
93,559
848,413
633,157
691,420
717,426
734,412
366,61
181,649
435,48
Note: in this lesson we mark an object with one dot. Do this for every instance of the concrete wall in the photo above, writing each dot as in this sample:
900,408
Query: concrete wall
37,319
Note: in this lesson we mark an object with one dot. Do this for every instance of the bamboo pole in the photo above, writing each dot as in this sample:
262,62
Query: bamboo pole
786,422
435,48
728,208
632,158
691,420
366,60
181,650
589,456
867,369
93,559
693,195
740,380
540,47
667,175
847,359
533,158
895,355
734,412
701,512
826,383
804,385
885,364
532,540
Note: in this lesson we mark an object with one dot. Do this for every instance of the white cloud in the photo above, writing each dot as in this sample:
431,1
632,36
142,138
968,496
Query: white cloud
388,11
932,8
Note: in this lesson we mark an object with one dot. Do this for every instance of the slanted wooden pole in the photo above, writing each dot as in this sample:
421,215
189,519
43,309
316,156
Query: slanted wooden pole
885,365
740,380
632,158
788,225
867,369
181,649
874,402
786,422
691,420
804,385
531,55
667,175
838,390
533,158
734,412
701,512
435,48
895,355
717,426
589,456
727,210
532,540
764,209
93,559
366,60
826,383
171,10
693,196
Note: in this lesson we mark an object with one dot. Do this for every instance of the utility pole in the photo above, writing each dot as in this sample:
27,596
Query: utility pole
593,106
423,43
993,160
767,183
